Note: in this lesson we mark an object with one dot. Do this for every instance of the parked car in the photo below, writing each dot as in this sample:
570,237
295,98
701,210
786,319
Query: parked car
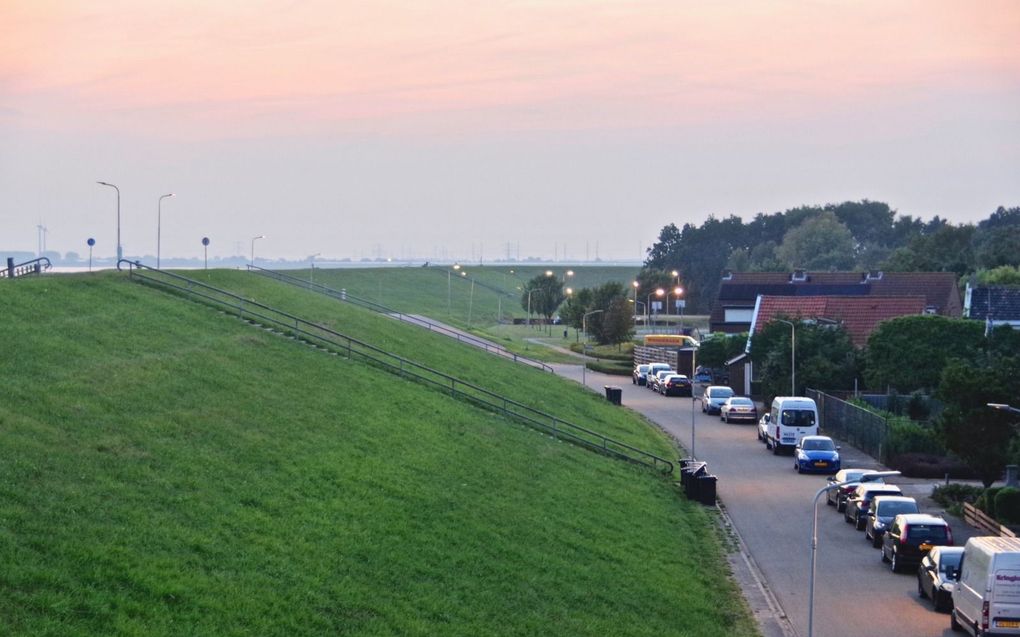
938,574
985,595
714,397
656,378
911,536
675,385
738,408
881,512
815,454
703,376
653,369
837,497
857,505
640,374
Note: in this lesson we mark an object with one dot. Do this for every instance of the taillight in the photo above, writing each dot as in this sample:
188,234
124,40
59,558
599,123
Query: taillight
984,617
903,534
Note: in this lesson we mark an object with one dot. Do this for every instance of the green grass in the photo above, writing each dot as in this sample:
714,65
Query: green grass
432,292
169,470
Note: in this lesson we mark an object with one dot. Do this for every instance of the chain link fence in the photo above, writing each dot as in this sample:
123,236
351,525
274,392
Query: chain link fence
855,425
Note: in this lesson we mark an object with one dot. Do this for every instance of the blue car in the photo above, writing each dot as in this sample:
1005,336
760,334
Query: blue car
816,454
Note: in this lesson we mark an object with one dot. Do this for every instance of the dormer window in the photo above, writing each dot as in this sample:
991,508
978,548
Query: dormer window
874,275
799,275
727,275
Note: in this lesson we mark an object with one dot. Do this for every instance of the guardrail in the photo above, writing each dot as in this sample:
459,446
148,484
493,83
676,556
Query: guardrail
35,266
259,313
343,295
981,520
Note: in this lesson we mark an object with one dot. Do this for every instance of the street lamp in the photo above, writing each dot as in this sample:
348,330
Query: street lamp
449,293
120,252
1003,407
867,477
253,240
694,359
159,223
676,275
793,356
584,350
676,292
311,260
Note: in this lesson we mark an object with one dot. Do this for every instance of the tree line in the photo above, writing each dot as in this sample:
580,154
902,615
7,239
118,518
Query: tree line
850,236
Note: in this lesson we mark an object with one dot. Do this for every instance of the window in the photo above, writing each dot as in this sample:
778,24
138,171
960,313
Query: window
798,418
738,315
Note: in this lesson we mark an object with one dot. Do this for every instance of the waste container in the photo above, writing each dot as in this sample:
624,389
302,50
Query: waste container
689,478
706,489
614,394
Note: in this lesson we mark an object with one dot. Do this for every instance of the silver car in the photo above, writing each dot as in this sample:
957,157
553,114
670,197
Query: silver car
714,397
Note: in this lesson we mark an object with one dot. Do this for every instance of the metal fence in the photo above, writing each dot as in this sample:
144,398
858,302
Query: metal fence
855,425
355,349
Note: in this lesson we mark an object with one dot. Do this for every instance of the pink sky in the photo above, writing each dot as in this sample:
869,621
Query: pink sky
172,74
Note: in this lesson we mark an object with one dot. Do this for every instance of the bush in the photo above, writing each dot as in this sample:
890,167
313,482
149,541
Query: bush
908,437
927,465
987,501
950,494
1007,505
608,367
918,407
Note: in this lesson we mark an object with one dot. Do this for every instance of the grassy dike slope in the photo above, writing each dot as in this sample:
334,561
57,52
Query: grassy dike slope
167,470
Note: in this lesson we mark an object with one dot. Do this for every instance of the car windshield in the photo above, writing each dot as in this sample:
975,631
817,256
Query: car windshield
947,561
927,532
798,418
722,392
895,508
817,444
642,368
743,402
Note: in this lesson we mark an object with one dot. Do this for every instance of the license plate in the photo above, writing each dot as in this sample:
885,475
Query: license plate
925,546
821,464
1007,623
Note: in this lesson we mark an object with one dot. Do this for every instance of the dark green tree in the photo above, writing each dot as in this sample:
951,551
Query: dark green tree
715,351
543,294
825,357
575,306
908,353
820,243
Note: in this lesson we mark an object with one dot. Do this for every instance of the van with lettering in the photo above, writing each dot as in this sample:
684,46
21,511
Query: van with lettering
790,419
986,599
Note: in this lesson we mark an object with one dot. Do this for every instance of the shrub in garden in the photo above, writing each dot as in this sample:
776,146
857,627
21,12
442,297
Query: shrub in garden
987,501
1007,505
950,494
927,465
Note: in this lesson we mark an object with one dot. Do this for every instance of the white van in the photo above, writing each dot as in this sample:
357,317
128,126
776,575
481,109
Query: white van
790,419
986,599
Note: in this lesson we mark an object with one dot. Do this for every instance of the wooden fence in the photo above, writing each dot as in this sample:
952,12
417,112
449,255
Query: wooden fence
981,520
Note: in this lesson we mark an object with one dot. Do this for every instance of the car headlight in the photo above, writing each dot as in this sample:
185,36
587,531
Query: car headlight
835,457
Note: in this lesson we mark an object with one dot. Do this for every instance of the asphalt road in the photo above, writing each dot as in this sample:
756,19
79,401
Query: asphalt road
856,594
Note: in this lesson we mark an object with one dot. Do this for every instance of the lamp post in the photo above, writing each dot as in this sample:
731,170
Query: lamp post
120,251
636,285
676,292
159,223
867,477
793,355
1003,407
253,240
584,350
311,260
694,358
449,290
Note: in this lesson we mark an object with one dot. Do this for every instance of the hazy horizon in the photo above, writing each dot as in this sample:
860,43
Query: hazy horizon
463,131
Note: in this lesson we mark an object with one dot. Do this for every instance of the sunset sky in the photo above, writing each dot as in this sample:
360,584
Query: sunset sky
452,129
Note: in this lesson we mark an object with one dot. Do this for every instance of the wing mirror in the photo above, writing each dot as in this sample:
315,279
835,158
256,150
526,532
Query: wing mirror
768,418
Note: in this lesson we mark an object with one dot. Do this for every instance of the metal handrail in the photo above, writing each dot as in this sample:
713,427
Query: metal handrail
259,313
492,348
35,266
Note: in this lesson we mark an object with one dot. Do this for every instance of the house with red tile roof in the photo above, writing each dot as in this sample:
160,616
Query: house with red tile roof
733,310
859,315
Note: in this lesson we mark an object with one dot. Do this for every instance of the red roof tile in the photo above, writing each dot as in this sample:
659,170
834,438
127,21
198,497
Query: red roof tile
859,315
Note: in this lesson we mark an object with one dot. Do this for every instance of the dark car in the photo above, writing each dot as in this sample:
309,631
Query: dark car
656,378
937,575
911,536
738,408
856,511
640,375
675,385
837,497
881,513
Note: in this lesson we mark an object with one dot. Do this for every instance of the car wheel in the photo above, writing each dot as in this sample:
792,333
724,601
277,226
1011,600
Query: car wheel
758,431
796,467
846,516
829,502
867,533
894,562
840,505
858,522
775,449
920,589
768,443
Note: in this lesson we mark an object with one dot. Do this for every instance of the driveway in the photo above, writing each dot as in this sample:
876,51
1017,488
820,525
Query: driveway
856,595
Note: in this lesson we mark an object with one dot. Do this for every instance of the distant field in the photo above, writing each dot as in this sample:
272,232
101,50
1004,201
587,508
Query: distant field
169,470
446,294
